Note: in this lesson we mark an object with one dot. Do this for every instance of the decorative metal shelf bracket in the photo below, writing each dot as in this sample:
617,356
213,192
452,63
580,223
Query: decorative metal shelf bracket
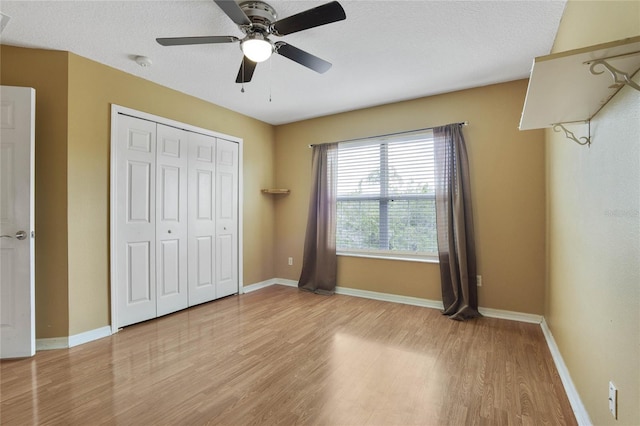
619,77
570,135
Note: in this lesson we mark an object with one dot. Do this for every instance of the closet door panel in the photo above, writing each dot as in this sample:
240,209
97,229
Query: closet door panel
135,214
225,254
138,281
171,219
226,218
203,268
170,263
201,237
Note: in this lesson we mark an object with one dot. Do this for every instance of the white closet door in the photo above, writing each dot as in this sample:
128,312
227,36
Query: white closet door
135,211
202,153
226,265
171,219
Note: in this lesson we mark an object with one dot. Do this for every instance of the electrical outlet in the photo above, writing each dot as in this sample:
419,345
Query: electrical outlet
613,400
479,280
290,261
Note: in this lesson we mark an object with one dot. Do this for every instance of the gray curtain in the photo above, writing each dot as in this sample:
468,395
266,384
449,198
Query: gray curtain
319,263
456,244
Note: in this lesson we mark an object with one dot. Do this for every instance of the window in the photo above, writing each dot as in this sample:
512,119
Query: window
386,197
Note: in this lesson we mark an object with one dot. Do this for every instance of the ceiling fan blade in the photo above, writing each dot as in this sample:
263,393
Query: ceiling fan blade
303,58
246,67
233,11
321,15
181,41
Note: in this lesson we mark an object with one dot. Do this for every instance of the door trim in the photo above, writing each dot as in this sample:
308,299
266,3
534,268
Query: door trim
117,110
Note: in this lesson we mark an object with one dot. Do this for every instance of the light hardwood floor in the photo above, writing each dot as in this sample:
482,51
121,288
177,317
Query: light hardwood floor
283,356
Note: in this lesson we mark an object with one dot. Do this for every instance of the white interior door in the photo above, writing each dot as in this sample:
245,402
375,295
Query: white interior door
171,219
135,253
17,252
202,154
226,265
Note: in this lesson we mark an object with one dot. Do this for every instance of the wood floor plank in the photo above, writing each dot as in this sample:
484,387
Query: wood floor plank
283,356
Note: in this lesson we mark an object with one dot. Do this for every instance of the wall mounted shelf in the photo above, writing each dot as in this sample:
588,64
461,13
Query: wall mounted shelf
572,86
275,191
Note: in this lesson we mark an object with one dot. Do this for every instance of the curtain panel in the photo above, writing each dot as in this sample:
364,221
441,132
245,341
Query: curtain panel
454,219
319,262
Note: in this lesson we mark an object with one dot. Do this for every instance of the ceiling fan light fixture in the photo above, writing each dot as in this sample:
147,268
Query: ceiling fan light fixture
257,49
258,21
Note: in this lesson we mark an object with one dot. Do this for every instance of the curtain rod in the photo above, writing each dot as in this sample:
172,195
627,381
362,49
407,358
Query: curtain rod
461,123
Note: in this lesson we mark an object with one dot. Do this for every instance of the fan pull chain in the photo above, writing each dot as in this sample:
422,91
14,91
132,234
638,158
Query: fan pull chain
242,89
270,75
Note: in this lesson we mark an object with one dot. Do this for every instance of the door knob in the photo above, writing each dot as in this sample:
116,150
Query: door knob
21,235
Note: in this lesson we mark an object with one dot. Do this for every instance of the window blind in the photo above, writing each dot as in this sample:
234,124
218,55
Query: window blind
386,196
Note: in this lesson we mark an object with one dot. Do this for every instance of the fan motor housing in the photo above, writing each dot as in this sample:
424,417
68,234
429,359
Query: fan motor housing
259,13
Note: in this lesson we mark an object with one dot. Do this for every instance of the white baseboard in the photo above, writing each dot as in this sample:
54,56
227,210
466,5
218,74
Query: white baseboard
386,297
50,343
511,315
407,300
257,286
284,281
71,341
582,417
89,336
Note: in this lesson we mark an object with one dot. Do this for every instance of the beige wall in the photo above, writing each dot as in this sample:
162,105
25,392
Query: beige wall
80,168
46,71
507,170
593,289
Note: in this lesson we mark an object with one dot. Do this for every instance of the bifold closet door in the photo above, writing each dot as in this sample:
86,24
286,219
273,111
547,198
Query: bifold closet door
135,213
171,219
226,218
176,219
201,212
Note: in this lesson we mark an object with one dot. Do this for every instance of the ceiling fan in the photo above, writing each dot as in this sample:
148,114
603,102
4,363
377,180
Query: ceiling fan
258,20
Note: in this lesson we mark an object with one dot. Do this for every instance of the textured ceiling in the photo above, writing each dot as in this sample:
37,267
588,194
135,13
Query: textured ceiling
385,51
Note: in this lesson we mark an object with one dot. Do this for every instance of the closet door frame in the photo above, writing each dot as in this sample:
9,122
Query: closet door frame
116,111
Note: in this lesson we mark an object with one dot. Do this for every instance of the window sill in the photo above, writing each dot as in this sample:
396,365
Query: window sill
385,257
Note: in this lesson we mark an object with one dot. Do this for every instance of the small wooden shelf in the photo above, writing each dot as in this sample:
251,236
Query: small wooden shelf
563,90
276,191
